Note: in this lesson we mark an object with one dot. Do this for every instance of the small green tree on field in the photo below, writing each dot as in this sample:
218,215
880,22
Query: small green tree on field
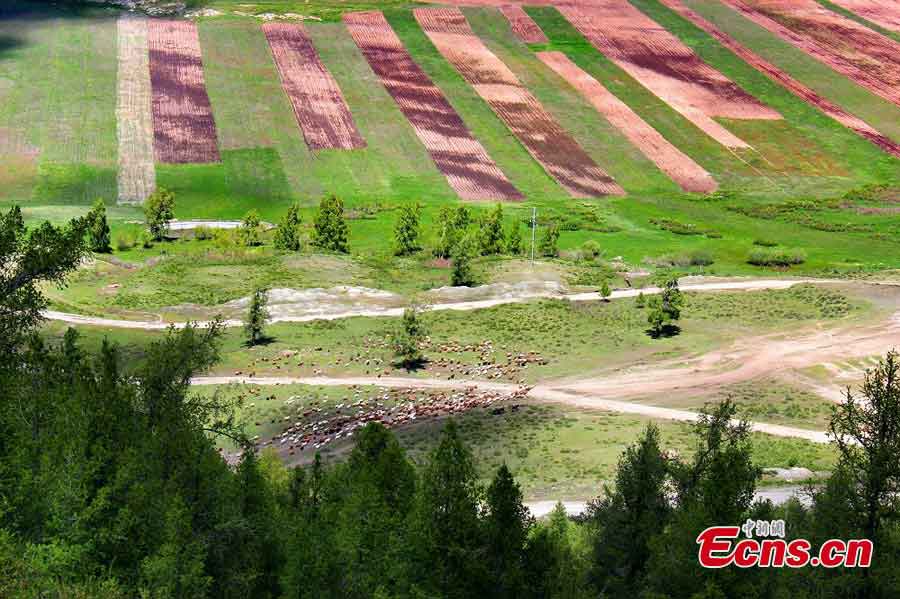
408,340
257,315
665,308
406,231
640,301
462,218
490,239
251,229
463,276
159,209
330,230
287,235
605,291
98,228
514,240
549,245
447,233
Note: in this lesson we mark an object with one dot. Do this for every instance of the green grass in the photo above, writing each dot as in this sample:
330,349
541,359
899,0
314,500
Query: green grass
878,112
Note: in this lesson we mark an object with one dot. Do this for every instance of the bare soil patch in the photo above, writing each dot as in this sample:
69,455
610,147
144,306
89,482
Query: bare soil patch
134,113
885,13
523,26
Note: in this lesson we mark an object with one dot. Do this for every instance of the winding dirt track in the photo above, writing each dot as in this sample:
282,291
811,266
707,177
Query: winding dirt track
745,360
746,285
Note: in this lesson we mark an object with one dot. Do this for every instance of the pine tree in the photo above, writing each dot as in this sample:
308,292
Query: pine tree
462,218
491,233
330,227
98,228
640,301
257,315
251,229
408,339
447,234
287,235
406,231
462,275
514,239
159,209
549,241
507,524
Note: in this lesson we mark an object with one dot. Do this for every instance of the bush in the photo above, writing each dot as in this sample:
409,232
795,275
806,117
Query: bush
776,257
159,209
685,259
766,243
251,230
203,232
591,248
146,240
330,230
549,244
124,241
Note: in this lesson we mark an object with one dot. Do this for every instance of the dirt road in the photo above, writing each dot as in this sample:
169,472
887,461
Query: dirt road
713,286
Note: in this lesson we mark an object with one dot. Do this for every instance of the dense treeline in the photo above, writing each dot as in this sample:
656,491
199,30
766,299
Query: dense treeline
111,486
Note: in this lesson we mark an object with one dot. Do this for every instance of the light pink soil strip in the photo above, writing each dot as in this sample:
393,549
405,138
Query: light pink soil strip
532,125
665,66
134,116
523,26
680,168
885,13
183,126
319,105
865,56
469,169
848,120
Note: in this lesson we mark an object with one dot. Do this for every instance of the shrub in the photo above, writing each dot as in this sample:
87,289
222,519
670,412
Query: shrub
766,243
146,240
330,230
124,240
287,235
463,276
490,239
591,248
203,232
776,257
251,229
549,245
406,231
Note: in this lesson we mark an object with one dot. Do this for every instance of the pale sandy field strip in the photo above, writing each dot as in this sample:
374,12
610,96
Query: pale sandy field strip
885,13
523,26
865,56
469,169
668,68
672,161
183,125
777,75
526,118
319,105
134,117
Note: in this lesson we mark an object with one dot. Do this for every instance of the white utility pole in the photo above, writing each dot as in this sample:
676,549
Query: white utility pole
533,227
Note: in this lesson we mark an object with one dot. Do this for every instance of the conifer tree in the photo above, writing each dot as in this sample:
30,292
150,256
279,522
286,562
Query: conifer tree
406,231
287,235
330,227
98,228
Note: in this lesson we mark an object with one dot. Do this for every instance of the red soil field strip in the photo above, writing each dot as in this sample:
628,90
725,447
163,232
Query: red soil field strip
848,120
523,26
865,56
183,126
885,13
665,66
680,167
319,105
469,169
533,126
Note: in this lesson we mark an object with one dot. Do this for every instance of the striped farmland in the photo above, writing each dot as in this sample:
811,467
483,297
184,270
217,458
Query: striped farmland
526,118
665,66
865,56
459,156
319,106
184,130
885,13
678,166
777,75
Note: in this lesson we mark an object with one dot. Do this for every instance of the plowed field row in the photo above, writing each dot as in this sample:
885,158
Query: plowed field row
523,27
533,126
134,118
183,126
456,153
319,105
885,13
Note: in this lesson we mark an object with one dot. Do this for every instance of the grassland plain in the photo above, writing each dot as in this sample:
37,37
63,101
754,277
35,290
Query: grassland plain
554,451
878,112
570,339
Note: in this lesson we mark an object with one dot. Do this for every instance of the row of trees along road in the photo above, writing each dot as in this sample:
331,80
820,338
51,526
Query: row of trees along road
111,486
